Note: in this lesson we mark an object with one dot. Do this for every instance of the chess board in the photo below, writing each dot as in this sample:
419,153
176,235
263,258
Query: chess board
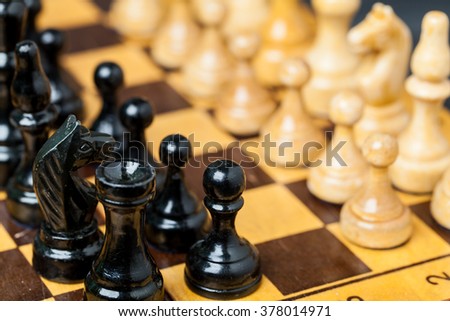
304,255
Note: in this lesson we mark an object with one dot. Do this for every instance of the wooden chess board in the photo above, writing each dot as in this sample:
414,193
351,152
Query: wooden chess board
304,255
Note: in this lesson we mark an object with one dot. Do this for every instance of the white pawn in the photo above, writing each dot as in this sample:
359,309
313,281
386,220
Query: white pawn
136,19
336,180
332,63
208,67
375,217
245,16
440,203
176,37
244,105
424,150
297,141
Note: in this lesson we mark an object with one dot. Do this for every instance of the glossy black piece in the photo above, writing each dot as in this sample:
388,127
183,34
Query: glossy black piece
68,240
34,8
223,265
64,91
108,77
176,219
137,114
124,270
12,19
33,116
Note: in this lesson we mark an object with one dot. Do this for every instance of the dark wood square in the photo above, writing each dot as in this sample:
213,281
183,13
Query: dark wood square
21,234
18,279
423,211
327,212
76,295
306,260
163,97
90,37
255,176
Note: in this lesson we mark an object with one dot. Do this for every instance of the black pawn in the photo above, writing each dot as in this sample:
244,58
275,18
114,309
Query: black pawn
34,8
33,116
223,265
108,77
176,219
124,270
12,20
65,93
137,114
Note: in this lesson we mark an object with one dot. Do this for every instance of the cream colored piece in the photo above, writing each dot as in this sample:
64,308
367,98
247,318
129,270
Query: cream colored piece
424,150
136,19
336,179
375,217
332,63
440,203
289,26
176,37
245,16
296,140
384,42
208,67
244,106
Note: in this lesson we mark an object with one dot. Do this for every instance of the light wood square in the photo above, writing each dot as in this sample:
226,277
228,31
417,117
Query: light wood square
135,63
6,243
271,212
423,245
81,12
55,288
412,199
177,288
406,284
196,125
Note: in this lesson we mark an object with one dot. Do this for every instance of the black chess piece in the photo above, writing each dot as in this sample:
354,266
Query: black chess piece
65,93
34,8
68,240
33,115
223,265
176,219
12,19
137,114
124,270
108,77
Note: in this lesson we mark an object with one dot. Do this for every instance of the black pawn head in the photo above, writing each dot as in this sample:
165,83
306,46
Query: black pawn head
51,41
108,78
224,180
30,87
175,150
34,8
136,114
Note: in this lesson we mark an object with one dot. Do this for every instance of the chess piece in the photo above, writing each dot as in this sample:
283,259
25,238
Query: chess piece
176,37
246,16
424,150
375,217
297,139
223,265
69,239
244,105
136,20
336,180
208,67
176,219
440,203
34,8
33,116
332,63
12,18
384,42
288,28
136,114
65,93
124,270
108,78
